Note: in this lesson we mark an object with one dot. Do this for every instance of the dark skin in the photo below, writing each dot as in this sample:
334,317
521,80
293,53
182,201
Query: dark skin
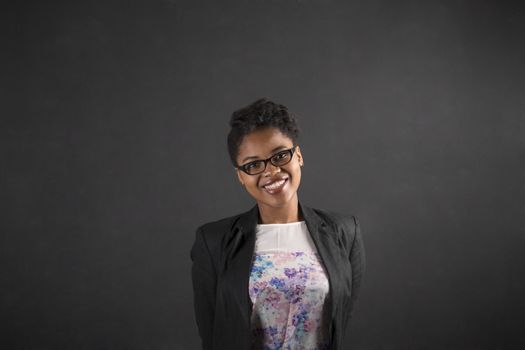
276,208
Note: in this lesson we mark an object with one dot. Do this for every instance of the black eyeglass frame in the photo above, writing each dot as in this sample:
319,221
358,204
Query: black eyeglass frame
289,150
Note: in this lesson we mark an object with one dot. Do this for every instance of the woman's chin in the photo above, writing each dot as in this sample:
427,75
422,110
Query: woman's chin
277,201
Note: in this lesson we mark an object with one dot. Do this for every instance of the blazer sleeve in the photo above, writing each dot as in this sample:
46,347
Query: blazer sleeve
204,281
357,261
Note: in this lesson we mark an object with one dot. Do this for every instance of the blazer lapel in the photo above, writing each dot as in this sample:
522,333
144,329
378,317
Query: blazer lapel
324,240
238,248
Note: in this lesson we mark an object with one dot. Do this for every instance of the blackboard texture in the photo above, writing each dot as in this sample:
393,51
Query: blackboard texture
113,151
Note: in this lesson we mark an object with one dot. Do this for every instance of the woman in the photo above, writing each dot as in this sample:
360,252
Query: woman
281,275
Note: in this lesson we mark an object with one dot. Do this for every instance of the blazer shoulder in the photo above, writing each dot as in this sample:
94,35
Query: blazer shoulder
336,218
344,226
213,231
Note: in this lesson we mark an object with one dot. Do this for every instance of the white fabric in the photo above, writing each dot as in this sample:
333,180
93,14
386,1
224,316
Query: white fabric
290,237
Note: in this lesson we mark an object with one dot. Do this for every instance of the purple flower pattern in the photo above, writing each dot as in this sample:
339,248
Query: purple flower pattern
289,291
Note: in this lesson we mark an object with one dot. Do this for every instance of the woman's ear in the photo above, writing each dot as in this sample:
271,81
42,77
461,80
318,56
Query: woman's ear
299,156
239,176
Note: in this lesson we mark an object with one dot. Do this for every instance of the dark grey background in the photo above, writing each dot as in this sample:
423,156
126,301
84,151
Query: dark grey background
113,150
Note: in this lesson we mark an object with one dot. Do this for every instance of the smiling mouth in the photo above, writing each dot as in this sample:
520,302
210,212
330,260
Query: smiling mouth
276,186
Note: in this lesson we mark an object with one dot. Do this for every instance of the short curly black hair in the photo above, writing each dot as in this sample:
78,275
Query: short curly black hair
260,114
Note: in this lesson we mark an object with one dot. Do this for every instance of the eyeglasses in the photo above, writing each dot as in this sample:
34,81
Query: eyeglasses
278,159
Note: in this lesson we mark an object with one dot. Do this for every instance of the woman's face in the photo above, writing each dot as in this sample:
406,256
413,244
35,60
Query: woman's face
262,144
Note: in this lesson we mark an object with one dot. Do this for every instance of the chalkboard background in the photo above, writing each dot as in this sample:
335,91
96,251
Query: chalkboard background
113,150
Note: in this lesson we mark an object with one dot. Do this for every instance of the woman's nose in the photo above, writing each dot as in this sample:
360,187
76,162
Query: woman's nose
272,169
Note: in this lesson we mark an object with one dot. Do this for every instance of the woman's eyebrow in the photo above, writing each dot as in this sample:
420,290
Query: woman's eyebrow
255,157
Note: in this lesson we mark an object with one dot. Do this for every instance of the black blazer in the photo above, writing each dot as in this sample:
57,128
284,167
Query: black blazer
222,256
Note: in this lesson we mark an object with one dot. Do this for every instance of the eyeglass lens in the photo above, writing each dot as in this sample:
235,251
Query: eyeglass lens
279,159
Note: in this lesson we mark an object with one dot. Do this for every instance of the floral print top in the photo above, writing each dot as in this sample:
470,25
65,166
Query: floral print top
289,290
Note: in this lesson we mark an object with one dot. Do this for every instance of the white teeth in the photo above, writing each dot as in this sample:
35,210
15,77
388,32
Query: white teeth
275,185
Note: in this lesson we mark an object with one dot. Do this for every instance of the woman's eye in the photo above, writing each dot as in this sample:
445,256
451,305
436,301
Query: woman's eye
252,165
280,155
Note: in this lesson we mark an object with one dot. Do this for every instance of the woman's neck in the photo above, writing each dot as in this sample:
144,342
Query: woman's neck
280,215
